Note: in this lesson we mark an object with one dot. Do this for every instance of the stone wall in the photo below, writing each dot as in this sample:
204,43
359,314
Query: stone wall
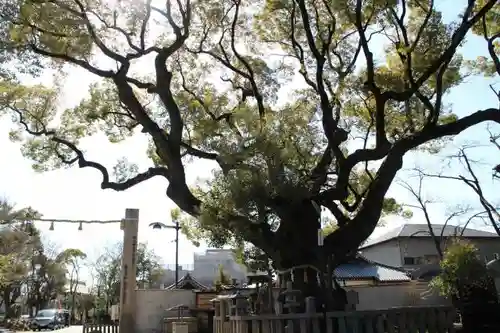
385,296
152,303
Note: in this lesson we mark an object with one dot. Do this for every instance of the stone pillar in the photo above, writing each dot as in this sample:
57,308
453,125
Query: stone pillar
128,272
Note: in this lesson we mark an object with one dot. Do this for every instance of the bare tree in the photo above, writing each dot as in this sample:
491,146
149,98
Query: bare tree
488,211
106,269
494,139
422,204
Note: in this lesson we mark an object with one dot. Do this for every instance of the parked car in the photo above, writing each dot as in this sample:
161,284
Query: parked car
65,317
50,319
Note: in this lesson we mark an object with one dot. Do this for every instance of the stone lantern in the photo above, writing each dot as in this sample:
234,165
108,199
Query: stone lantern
239,305
253,298
222,306
494,268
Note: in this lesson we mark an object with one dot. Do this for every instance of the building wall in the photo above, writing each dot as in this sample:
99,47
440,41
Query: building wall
416,252
386,253
206,265
396,295
489,249
424,250
152,303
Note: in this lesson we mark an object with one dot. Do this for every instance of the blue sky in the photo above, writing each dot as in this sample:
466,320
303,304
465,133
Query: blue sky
75,193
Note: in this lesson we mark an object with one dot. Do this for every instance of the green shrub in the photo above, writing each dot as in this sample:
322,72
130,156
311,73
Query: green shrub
462,268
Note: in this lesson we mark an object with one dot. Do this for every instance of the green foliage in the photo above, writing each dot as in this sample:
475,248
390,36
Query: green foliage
460,266
222,278
53,275
106,270
487,28
329,228
71,256
19,239
73,259
253,258
21,250
107,273
149,270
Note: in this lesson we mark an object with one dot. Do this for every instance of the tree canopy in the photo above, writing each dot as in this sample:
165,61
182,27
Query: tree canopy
300,103
107,268
25,261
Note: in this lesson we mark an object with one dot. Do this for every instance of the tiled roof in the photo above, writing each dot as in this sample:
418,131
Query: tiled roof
188,281
422,230
362,269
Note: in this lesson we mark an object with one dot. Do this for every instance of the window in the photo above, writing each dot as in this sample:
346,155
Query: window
46,313
419,260
409,261
415,260
431,259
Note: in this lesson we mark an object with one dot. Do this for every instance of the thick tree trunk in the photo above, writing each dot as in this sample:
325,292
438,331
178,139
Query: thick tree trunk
73,305
8,301
300,258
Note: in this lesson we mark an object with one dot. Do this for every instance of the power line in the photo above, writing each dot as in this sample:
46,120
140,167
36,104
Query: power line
14,220
53,221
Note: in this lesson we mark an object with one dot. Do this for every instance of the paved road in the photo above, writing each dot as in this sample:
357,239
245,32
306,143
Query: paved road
71,329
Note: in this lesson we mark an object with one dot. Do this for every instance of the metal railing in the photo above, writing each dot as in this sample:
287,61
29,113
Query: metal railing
100,328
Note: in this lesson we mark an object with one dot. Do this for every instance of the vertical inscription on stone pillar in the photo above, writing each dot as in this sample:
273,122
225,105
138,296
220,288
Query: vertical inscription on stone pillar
134,249
134,258
125,283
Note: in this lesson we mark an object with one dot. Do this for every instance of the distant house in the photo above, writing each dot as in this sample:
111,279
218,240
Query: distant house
412,248
361,271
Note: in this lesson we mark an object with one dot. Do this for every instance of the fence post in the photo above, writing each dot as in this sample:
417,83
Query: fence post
128,282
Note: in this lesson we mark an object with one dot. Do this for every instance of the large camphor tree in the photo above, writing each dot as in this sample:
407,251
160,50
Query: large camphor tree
300,103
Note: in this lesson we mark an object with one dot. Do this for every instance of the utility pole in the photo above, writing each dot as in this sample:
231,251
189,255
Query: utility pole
177,227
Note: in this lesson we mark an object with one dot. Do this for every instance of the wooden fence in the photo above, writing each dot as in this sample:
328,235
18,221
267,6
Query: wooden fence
100,328
436,319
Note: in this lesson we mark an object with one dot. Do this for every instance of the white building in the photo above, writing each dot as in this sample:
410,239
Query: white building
168,276
206,265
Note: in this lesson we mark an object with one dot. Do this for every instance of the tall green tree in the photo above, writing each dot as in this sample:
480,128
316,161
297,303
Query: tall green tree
287,99
73,259
107,272
149,270
49,279
14,256
19,244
